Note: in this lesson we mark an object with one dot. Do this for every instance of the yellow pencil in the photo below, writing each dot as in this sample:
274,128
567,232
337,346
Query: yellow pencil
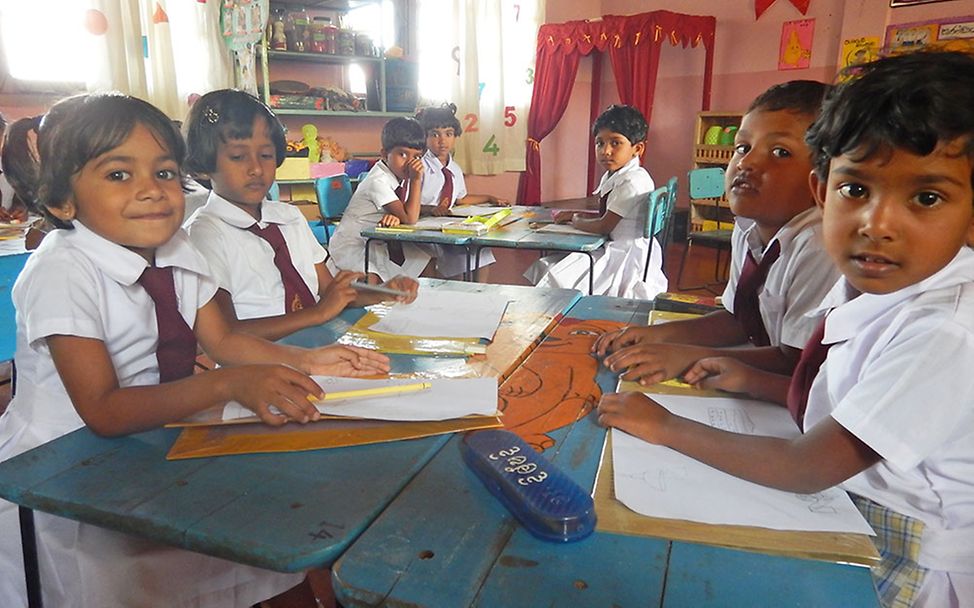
381,391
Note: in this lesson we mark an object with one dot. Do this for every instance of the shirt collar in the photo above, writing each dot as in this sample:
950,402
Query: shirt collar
220,207
785,235
610,181
387,173
436,166
853,310
124,265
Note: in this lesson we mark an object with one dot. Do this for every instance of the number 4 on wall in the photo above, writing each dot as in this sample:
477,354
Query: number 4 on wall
491,146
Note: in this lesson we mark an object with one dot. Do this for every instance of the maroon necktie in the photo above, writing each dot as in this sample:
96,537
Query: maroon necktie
176,351
396,255
747,307
813,356
296,292
446,193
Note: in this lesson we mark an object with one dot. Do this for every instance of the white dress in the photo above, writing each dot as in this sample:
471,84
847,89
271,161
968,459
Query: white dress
79,284
898,377
619,264
347,245
451,260
242,263
796,282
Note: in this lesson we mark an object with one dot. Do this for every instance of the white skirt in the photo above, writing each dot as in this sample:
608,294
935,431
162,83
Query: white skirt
618,270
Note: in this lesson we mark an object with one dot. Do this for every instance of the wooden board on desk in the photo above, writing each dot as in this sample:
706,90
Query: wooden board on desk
827,546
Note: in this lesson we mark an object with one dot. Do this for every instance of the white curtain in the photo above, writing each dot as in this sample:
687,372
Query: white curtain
479,54
161,51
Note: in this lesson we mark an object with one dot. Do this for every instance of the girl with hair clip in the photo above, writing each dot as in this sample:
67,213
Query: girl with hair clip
268,266
109,311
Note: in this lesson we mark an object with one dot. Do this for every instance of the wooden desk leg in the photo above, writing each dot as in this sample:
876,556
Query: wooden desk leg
32,574
470,271
368,243
591,272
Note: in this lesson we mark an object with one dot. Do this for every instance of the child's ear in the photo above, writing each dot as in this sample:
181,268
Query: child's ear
639,148
65,212
818,186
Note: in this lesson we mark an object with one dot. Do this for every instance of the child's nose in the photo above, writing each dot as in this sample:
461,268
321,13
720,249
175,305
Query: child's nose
878,220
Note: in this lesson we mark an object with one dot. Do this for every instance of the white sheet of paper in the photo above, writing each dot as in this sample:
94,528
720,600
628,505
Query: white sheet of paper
437,313
563,229
471,210
431,223
447,399
660,482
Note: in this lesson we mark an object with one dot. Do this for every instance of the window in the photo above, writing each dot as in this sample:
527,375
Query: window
43,43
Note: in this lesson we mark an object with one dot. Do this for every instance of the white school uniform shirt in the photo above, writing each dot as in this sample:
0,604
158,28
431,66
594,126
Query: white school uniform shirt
898,377
451,260
7,192
80,284
796,282
243,263
619,264
365,209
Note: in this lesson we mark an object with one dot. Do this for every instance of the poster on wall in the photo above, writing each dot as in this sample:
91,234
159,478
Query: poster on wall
956,34
895,3
857,51
796,44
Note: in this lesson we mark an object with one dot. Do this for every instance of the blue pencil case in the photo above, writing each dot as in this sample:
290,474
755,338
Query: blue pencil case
546,501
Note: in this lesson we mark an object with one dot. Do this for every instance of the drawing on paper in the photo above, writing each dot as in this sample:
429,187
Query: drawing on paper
555,386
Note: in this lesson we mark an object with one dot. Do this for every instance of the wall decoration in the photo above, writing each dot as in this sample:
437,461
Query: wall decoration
857,51
762,5
895,3
955,34
796,44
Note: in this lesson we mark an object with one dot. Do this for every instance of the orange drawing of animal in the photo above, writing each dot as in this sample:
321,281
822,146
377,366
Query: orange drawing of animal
555,386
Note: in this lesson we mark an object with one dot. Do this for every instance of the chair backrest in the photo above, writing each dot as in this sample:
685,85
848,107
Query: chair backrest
664,231
10,267
274,194
706,182
655,203
333,195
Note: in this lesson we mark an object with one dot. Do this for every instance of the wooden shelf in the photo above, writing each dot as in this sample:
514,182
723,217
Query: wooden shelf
363,114
711,213
320,57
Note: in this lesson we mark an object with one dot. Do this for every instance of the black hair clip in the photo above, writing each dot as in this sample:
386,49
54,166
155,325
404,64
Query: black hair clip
211,115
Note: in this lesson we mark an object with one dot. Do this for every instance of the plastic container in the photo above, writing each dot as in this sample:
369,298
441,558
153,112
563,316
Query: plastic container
346,41
300,41
318,27
363,45
546,501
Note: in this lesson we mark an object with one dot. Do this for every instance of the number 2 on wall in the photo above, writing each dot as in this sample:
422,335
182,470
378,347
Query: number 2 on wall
471,125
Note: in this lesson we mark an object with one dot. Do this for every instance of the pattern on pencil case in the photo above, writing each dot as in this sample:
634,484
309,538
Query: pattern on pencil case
555,386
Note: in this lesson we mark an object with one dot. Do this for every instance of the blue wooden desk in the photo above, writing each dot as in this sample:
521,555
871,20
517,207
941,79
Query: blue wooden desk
469,551
285,512
406,235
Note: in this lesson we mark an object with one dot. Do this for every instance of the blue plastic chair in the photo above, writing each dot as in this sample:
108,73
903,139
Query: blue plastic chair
10,267
333,195
659,219
274,193
707,183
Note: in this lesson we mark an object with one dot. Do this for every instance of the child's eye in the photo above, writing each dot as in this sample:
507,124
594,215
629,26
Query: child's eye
780,153
742,148
236,157
853,191
118,176
167,174
927,199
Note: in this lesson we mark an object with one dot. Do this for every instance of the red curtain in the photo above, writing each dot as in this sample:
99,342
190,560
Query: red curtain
633,43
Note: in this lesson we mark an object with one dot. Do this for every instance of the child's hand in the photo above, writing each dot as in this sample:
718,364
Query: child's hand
493,200
415,170
562,216
722,373
404,283
352,361
389,221
634,413
614,340
441,210
338,294
258,387
651,362
16,213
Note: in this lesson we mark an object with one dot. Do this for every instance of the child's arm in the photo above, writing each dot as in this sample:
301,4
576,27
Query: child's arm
479,199
408,212
652,362
402,283
89,378
731,375
602,224
825,456
718,328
